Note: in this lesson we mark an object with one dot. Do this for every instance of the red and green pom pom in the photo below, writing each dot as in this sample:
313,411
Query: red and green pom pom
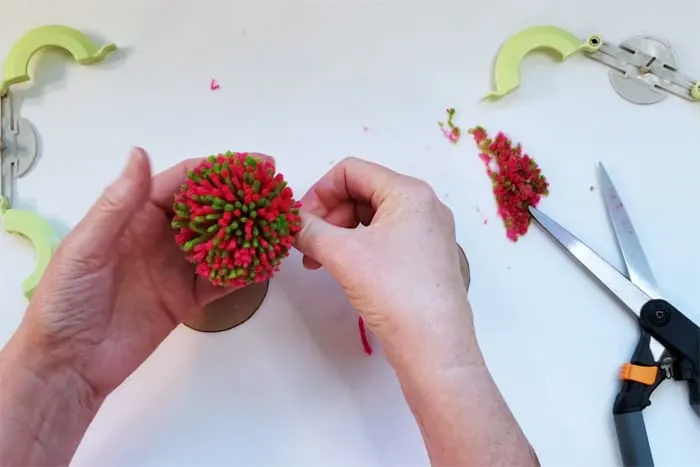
235,219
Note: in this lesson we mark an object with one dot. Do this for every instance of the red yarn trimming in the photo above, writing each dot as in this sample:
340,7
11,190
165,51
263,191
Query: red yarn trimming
517,180
452,132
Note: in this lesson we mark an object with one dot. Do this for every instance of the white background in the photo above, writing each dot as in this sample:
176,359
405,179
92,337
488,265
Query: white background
299,80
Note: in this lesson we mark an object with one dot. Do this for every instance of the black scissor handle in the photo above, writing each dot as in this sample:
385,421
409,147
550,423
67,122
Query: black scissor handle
632,439
640,378
681,337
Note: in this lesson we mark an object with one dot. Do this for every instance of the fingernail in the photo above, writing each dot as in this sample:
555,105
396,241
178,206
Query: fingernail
137,151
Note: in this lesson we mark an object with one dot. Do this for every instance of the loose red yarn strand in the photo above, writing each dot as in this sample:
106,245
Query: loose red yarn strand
363,335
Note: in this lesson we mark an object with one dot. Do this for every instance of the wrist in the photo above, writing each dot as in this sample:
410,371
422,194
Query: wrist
45,406
444,340
462,416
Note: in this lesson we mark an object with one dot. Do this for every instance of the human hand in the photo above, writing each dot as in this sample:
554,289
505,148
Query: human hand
401,272
118,284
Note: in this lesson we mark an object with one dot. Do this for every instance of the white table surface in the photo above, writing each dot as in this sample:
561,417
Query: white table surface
299,80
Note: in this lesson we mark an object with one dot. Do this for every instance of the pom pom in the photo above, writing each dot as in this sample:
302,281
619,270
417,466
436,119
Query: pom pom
235,219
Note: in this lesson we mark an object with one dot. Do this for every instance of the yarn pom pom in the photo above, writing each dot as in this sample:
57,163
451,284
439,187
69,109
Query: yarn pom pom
235,219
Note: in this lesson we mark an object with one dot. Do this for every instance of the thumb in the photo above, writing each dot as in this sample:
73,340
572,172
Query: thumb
106,220
316,240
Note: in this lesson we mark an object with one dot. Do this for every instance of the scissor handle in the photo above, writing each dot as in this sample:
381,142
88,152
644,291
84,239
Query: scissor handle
640,378
681,337
633,441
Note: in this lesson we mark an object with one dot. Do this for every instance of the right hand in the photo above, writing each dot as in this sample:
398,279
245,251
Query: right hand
401,272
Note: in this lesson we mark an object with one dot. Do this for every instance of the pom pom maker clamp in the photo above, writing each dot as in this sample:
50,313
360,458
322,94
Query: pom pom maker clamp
643,69
18,141
18,151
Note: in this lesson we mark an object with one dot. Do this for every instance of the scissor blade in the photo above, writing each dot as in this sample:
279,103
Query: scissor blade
635,261
628,293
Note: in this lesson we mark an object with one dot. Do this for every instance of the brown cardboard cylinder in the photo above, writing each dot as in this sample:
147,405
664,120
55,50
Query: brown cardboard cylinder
231,310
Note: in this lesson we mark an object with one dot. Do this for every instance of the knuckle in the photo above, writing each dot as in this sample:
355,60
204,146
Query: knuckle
421,191
447,213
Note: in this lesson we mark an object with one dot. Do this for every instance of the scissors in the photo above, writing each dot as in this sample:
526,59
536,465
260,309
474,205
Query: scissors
669,342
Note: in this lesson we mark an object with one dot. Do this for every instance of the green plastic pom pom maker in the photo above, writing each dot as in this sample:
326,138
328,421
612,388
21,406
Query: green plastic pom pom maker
18,140
643,69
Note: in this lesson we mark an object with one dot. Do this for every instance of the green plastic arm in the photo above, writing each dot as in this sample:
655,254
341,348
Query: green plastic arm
83,50
559,42
40,233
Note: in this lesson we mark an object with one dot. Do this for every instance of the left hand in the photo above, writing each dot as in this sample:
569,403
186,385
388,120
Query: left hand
118,284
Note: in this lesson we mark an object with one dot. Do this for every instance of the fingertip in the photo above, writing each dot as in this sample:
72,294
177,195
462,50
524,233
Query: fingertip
313,236
138,151
110,214
139,162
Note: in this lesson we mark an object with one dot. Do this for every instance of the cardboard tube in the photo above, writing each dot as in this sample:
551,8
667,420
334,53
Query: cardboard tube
231,310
